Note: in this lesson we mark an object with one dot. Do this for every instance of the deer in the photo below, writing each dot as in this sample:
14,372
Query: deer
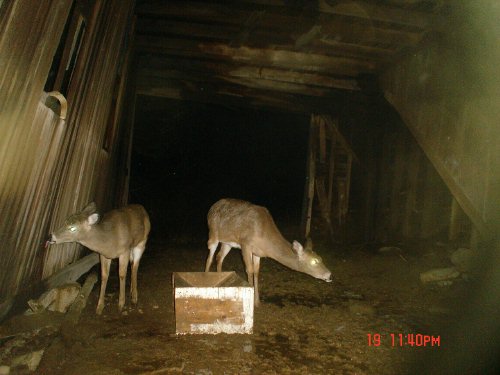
121,233
240,224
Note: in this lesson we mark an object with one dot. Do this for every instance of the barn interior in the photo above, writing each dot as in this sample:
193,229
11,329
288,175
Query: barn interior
370,127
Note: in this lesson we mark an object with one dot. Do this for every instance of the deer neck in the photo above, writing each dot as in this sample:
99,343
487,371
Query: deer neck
97,239
281,251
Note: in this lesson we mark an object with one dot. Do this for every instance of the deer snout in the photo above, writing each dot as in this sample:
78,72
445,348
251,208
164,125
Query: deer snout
328,277
50,240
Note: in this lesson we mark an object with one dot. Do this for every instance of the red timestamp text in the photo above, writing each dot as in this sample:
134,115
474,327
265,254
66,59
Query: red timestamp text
404,339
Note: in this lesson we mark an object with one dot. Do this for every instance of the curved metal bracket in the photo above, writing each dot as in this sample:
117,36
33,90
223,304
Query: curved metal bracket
62,103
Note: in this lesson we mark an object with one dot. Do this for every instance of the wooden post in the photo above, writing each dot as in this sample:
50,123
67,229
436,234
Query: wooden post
331,171
347,184
75,310
322,139
309,183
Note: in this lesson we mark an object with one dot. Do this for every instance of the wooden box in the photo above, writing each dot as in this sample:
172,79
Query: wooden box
212,302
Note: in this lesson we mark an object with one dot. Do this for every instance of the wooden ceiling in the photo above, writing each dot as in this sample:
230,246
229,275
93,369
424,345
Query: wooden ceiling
293,55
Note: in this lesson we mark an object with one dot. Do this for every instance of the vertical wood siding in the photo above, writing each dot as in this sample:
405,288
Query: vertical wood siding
448,93
51,167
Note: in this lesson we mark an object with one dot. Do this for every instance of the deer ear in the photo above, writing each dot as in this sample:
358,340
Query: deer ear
92,219
297,247
90,208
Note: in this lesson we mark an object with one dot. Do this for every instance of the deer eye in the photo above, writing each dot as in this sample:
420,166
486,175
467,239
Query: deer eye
72,228
314,261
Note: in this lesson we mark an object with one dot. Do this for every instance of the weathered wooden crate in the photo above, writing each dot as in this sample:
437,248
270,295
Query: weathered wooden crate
212,302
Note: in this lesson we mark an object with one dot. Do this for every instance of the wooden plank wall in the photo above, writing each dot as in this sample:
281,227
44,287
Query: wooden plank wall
412,200
51,167
447,93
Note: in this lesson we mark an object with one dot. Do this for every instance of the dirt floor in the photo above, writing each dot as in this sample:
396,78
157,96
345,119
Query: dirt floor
303,326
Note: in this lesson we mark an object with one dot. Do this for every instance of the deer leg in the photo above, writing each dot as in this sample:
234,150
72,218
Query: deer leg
122,272
256,267
212,246
105,263
224,250
247,259
135,258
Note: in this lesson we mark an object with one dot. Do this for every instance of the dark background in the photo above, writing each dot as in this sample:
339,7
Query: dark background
188,155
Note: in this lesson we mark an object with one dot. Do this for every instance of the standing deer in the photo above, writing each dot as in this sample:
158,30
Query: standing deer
241,224
120,233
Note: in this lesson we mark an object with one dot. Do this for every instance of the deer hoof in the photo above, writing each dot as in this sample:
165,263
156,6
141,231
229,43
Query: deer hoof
133,299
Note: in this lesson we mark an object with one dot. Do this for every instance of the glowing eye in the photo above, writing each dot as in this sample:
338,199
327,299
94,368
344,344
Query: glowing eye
314,261
72,229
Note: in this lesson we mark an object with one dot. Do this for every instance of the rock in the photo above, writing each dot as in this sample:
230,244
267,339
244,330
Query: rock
462,259
30,360
439,274
247,346
58,299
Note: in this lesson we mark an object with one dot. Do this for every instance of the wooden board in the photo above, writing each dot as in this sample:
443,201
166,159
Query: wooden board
212,302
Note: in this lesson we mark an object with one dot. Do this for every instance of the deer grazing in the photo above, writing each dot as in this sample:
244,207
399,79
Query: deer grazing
120,233
241,224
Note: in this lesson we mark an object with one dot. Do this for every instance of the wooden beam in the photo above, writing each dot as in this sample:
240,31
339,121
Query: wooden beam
290,88
332,40
376,12
398,12
340,138
271,58
73,315
239,12
182,68
294,77
171,79
290,59
72,272
292,33
228,93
